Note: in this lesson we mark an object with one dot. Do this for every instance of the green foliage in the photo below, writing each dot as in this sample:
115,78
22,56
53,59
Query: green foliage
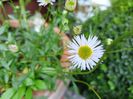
113,78
28,94
20,93
8,94
41,85
34,66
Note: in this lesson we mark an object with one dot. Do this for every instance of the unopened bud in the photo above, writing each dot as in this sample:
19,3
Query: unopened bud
64,12
70,5
25,71
77,29
13,48
109,41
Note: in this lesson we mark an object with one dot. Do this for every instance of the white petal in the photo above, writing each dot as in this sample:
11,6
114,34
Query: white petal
53,0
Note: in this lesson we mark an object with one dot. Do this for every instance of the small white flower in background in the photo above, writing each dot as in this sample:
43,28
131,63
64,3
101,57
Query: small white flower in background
70,5
102,4
85,53
45,2
87,8
38,22
13,48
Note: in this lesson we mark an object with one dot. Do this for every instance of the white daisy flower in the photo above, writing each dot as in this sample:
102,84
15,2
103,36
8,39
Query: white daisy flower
85,53
45,2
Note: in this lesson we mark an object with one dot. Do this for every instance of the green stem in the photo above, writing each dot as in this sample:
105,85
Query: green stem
48,13
4,11
2,18
21,2
23,13
124,49
89,87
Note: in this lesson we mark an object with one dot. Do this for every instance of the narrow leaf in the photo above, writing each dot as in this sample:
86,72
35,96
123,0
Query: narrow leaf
20,93
41,85
28,94
8,94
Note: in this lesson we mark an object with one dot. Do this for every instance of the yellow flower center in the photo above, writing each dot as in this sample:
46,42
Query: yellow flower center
47,1
85,52
71,3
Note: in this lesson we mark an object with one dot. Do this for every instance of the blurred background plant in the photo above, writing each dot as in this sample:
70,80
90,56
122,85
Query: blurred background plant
25,61
30,49
112,23
113,79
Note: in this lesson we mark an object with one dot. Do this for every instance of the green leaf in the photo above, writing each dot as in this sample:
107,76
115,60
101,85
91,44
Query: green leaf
28,82
41,85
20,93
8,94
17,81
6,64
104,67
2,29
131,89
49,71
6,77
28,94
111,85
10,38
75,88
33,87
3,47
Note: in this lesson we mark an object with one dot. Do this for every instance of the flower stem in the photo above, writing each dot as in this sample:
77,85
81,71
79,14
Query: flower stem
124,49
89,87
4,11
23,13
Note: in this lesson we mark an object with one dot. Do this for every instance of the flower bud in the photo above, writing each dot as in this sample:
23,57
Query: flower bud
25,71
64,12
17,7
77,29
13,48
70,5
109,41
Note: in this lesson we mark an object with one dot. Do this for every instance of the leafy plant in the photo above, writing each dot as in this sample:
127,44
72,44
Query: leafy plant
113,78
35,64
30,53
